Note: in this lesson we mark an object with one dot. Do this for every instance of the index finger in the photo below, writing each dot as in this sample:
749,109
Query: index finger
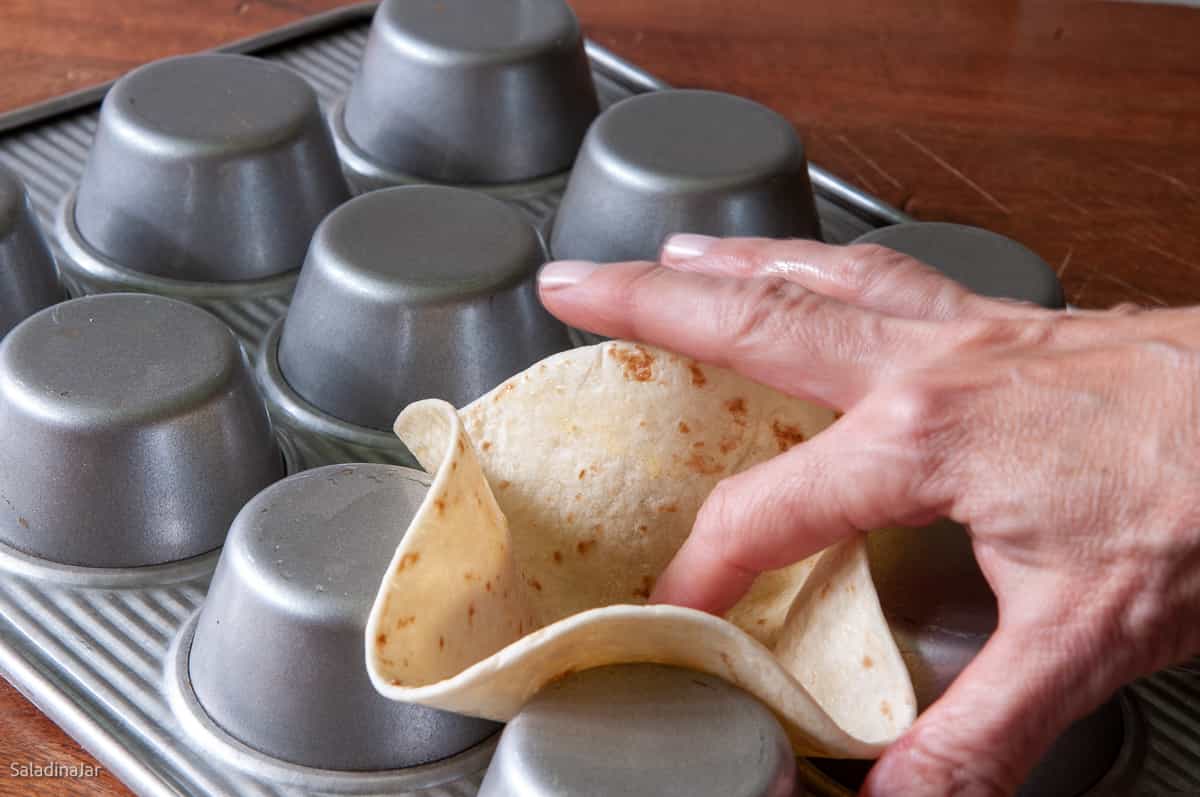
866,275
770,330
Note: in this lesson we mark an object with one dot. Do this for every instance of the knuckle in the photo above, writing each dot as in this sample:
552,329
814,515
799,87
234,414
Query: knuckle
997,333
939,757
865,265
921,418
754,311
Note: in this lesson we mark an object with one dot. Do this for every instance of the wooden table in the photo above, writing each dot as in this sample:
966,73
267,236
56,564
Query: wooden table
1073,127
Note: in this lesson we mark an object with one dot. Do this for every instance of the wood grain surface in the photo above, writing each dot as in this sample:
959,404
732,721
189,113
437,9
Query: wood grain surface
1073,127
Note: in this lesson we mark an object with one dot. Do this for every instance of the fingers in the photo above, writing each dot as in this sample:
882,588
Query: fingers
770,330
991,727
790,507
864,275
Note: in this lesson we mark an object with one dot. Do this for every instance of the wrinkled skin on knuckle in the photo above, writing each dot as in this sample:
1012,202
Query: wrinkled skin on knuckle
940,759
921,416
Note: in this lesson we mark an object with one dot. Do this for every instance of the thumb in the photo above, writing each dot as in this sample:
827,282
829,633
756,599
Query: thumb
992,726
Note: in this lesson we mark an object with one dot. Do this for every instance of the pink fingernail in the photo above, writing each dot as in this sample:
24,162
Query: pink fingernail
688,245
564,273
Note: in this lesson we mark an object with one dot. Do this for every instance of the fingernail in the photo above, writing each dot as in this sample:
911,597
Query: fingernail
688,245
564,273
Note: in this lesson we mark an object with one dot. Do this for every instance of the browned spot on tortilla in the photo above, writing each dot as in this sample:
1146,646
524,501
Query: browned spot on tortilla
736,407
405,621
698,377
504,389
439,505
558,557
885,708
487,585
868,662
728,661
684,428
698,444
470,575
470,613
504,485
381,640
786,436
533,582
396,682
462,447
669,508
583,546
441,643
408,559
643,591
728,444
599,529
825,590
761,621
643,529
582,472
837,414
404,663
703,464
24,523
454,465
642,424
638,363
485,445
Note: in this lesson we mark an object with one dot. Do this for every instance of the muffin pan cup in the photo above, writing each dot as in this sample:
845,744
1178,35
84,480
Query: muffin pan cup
204,181
276,655
316,437
28,279
133,432
104,651
248,307
455,92
643,729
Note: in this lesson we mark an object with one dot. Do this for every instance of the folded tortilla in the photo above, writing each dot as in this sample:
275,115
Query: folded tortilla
559,497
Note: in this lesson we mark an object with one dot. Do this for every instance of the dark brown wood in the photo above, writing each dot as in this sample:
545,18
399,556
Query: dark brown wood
1073,127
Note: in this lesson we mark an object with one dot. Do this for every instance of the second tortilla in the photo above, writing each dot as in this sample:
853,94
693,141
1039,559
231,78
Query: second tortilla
557,500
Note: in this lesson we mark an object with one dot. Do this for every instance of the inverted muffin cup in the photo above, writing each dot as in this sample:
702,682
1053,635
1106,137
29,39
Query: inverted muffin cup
133,432
407,293
986,262
683,161
642,729
494,95
276,659
941,613
28,280
205,180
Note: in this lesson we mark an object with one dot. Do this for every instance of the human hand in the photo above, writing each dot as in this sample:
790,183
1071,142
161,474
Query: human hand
1065,442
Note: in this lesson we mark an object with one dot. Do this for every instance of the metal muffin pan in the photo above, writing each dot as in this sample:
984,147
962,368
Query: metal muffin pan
407,292
104,652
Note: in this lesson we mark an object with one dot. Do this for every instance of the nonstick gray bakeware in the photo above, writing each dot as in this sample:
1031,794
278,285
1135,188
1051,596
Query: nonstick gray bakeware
103,651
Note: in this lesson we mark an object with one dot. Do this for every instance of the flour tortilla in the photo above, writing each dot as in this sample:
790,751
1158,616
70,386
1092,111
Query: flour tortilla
557,500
